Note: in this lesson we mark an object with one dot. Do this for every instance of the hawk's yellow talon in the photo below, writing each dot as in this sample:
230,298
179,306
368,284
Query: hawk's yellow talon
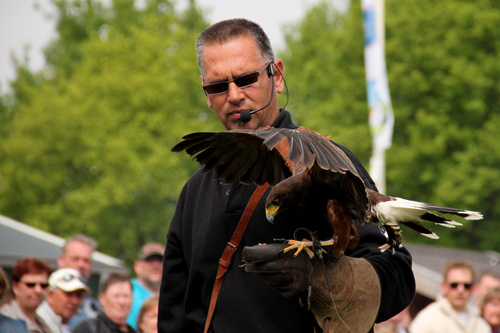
305,245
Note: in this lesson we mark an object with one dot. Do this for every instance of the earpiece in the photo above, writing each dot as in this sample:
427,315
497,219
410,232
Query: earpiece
270,69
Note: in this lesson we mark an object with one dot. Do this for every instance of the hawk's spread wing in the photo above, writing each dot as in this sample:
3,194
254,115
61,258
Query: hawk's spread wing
264,155
306,169
269,154
235,155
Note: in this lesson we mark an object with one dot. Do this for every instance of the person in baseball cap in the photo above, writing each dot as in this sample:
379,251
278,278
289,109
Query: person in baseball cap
64,296
148,269
150,250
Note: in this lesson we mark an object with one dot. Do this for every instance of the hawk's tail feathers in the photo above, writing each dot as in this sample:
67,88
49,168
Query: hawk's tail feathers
402,210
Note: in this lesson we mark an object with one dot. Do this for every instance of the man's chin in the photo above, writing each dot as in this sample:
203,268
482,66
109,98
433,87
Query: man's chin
238,124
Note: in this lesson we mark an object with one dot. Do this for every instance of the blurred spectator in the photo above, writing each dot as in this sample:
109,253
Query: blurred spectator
453,312
7,324
77,254
397,324
64,296
488,280
491,309
115,298
147,321
148,269
29,283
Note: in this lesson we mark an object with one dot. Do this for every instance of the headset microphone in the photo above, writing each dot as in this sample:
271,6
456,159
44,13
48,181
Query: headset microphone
245,115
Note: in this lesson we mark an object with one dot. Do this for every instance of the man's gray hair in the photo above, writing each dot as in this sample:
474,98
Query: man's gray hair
80,238
223,31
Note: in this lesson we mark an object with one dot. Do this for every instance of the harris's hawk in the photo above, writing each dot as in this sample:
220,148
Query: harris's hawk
310,174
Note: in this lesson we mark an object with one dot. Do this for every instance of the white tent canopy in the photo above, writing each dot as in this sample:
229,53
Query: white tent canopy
18,240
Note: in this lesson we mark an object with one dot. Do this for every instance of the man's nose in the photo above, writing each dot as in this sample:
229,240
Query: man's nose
235,93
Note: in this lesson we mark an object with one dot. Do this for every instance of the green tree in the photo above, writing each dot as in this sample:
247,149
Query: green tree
89,151
325,74
443,71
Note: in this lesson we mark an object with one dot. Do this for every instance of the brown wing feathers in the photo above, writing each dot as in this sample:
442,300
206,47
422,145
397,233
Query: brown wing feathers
250,163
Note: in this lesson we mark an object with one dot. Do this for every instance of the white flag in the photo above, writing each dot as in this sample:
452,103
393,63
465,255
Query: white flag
381,117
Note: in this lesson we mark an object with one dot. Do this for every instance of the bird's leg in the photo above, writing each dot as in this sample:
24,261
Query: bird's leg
305,245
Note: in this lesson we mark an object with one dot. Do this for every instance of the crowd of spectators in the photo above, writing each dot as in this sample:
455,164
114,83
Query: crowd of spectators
45,301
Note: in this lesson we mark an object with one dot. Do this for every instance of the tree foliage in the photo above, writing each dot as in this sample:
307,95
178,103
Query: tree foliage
88,148
443,71
325,74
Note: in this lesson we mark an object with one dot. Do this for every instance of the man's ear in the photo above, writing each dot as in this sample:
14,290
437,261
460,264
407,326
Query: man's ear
137,267
50,293
279,78
101,298
60,260
444,288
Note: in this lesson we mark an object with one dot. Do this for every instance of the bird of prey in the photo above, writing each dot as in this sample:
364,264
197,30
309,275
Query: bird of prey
312,176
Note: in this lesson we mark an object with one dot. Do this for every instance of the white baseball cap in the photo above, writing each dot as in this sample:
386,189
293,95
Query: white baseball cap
67,279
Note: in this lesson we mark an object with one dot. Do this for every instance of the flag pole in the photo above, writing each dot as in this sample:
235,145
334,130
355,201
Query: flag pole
381,117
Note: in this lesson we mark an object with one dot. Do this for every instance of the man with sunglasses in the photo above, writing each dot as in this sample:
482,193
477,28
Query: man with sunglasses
241,79
65,294
29,285
453,312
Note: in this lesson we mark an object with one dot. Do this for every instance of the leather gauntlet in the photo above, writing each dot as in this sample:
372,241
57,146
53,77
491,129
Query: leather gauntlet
344,296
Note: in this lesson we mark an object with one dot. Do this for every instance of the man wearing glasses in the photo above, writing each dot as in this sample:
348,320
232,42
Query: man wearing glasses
65,294
452,312
29,283
241,79
77,254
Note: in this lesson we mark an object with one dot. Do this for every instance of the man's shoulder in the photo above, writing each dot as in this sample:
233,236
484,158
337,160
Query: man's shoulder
11,309
430,309
43,307
8,324
428,315
138,288
44,310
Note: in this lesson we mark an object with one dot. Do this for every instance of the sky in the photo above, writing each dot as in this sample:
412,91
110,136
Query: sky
22,26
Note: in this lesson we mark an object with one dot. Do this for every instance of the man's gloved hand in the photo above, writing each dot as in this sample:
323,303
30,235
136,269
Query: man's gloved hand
344,296
288,275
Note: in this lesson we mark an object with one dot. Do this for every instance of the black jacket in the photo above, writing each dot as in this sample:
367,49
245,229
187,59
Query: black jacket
100,324
206,216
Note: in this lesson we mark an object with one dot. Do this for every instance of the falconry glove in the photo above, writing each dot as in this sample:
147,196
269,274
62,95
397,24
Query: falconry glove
344,296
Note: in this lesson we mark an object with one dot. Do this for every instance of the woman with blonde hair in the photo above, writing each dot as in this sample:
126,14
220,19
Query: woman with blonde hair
147,320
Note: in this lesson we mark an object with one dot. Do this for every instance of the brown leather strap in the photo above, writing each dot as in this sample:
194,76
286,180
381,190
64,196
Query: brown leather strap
231,247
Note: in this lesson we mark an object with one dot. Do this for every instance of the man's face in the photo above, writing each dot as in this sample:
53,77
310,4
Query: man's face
64,303
458,287
225,62
30,291
78,256
116,301
149,271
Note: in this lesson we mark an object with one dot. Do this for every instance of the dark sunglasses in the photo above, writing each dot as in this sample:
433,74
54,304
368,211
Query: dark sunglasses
242,82
454,285
33,284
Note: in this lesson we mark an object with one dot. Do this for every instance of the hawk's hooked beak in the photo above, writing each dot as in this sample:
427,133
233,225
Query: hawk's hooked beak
271,211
